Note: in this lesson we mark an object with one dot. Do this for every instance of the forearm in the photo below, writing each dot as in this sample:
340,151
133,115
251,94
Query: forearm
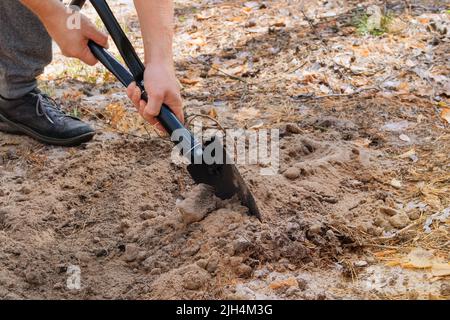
156,18
44,9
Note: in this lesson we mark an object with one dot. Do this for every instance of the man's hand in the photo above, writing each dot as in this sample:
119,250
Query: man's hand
162,87
73,42
156,18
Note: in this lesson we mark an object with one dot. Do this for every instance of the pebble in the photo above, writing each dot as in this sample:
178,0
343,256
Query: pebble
240,245
389,211
213,264
244,270
315,228
146,207
445,289
131,253
155,271
360,264
33,278
202,263
302,283
25,190
195,278
293,128
124,224
399,221
292,173
413,214
147,215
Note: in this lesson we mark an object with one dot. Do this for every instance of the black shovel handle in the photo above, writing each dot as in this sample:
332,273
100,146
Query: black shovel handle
184,139
167,118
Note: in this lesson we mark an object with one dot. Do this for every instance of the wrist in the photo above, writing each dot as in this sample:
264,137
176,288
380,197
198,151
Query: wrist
160,60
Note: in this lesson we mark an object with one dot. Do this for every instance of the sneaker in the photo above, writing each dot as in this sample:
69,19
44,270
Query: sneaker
40,117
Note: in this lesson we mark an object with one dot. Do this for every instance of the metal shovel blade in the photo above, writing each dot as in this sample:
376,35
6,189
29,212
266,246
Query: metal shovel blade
226,180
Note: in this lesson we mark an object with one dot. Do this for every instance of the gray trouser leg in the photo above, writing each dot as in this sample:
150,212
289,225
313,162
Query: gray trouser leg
25,49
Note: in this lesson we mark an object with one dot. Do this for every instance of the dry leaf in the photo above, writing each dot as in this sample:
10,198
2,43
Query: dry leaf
445,114
213,113
419,259
290,282
440,269
396,183
408,154
190,81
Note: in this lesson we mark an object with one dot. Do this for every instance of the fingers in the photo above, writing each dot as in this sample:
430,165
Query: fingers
134,93
153,108
87,57
92,33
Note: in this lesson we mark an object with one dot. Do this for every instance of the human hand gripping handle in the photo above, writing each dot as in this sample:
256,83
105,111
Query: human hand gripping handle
166,117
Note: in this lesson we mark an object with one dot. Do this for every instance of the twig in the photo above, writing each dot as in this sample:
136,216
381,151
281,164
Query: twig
337,94
229,75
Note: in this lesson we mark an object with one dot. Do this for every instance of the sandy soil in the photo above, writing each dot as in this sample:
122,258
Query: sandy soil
347,193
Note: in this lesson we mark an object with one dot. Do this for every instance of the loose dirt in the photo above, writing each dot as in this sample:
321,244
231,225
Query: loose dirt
359,175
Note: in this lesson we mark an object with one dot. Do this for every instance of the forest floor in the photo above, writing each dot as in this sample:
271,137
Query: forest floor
359,210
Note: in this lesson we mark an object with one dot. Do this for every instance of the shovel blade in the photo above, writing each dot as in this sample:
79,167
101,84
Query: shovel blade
225,178
227,182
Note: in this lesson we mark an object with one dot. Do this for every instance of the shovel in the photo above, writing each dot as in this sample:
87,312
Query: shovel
222,175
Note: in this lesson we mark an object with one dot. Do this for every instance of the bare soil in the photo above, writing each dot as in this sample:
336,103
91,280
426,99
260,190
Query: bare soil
338,206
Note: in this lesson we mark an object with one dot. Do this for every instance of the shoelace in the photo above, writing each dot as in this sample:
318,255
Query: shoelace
44,104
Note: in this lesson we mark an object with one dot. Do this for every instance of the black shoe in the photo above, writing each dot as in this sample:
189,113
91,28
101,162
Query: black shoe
40,117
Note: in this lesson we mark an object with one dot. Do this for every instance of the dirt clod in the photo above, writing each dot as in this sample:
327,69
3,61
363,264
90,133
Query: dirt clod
198,203
399,221
292,173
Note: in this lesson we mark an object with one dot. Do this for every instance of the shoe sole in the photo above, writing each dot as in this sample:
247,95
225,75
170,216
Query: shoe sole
18,128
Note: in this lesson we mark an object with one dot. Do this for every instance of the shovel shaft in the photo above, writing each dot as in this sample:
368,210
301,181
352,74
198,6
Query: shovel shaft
184,139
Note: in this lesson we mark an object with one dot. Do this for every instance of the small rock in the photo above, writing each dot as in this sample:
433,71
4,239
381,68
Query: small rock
315,228
147,215
131,253
302,283
25,190
195,278
213,264
202,263
58,286
292,291
33,278
445,289
2,193
292,173
360,264
413,214
191,250
399,221
244,270
96,240
404,138
241,244
142,255
293,128
101,253
124,225
389,211
396,183
146,207
250,23
155,271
